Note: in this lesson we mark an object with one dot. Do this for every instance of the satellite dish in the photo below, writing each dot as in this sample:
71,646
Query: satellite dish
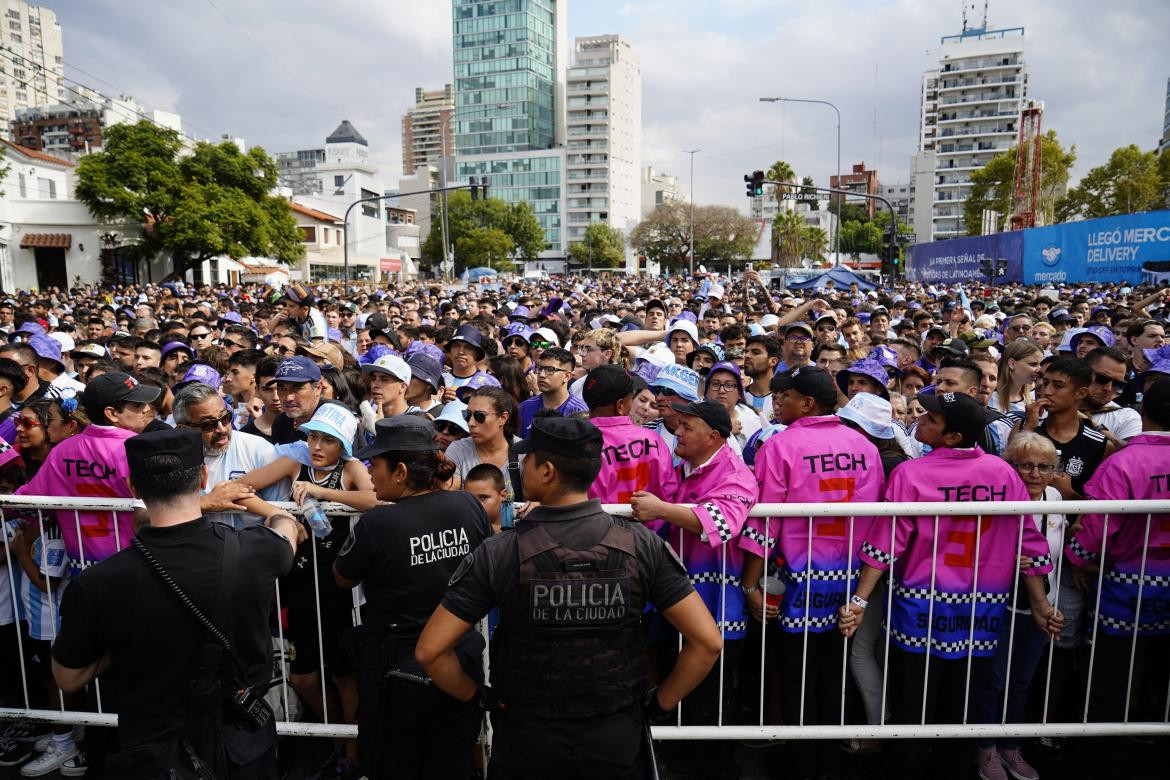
806,263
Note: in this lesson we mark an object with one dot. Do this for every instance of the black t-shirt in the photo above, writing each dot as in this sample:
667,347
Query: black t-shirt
493,571
404,554
285,431
120,607
252,429
1080,456
156,425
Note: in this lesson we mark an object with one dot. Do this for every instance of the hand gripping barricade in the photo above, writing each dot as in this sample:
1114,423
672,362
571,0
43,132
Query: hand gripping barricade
575,614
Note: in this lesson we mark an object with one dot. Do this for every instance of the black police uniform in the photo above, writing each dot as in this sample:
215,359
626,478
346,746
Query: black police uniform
404,555
121,608
568,662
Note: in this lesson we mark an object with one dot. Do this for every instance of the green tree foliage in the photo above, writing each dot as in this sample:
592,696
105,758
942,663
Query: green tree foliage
861,237
1130,182
214,201
787,232
722,235
490,247
466,217
814,242
811,197
781,171
993,185
603,247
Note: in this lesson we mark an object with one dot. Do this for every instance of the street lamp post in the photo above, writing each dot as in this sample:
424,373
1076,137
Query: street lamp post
691,240
840,200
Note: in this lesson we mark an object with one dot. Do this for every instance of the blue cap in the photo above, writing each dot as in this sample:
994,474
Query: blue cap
46,348
478,379
682,380
374,353
296,369
199,372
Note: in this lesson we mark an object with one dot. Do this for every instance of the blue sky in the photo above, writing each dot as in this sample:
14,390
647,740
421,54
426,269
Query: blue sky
282,74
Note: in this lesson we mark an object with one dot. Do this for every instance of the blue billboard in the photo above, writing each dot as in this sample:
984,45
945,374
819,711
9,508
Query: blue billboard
1111,249
961,259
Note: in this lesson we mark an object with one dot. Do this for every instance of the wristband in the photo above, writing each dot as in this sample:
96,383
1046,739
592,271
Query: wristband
858,601
751,590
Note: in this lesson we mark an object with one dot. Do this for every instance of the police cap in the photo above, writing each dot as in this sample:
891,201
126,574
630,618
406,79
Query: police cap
564,436
154,452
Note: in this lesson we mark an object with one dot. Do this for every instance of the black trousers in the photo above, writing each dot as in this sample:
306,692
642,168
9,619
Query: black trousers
531,748
1107,702
945,690
822,693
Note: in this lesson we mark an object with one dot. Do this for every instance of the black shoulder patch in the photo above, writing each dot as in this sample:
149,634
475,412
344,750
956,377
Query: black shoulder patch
349,542
464,567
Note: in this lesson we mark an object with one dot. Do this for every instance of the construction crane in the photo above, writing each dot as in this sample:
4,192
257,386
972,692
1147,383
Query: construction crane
1026,197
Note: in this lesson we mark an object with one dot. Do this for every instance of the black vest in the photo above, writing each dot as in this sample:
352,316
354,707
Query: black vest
569,643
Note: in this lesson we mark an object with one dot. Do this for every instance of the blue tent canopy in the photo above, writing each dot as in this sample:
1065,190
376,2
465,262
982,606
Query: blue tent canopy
841,277
475,274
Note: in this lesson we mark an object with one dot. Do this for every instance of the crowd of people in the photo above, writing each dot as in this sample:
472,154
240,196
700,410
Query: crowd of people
710,395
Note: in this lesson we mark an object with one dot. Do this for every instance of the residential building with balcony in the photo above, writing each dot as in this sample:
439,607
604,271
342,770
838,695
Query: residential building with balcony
427,132
861,181
32,70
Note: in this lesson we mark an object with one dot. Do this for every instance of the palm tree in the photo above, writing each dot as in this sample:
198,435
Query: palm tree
781,171
814,242
787,229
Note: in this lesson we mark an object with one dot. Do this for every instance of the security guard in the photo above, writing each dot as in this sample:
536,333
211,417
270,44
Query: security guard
571,686
178,688
403,554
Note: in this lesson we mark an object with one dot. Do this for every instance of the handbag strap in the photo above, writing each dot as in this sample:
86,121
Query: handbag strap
515,475
228,568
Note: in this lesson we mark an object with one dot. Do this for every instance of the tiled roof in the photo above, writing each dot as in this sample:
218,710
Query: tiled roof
308,212
35,155
46,241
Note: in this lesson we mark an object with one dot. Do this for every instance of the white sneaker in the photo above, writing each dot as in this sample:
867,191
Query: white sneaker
76,766
49,761
42,744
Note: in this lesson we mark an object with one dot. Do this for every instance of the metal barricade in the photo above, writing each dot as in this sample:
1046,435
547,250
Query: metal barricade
32,509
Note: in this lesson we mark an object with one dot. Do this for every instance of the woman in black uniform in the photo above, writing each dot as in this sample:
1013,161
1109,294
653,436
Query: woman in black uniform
403,555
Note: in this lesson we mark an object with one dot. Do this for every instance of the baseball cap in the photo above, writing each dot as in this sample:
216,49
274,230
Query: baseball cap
64,339
963,414
478,379
295,369
683,381
956,346
297,293
389,364
710,412
801,326
714,350
425,368
116,386
330,353
333,419
811,381
547,334
199,372
686,326
153,453
873,413
605,385
564,436
400,433
173,346
90,348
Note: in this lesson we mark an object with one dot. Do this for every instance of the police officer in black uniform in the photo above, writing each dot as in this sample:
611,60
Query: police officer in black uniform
159,663
404,554
570,681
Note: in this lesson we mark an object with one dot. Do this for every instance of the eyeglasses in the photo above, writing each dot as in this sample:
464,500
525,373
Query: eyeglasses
1040,468
1118,384
549,370
799,338
448,429
480,417
586,348
722,387
1020,328
209,426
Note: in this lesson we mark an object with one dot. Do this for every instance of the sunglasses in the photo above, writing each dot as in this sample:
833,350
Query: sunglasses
517,341
449,429
26,424
231,344
1101,379
664,392
480,417
540,344
209,426
200,335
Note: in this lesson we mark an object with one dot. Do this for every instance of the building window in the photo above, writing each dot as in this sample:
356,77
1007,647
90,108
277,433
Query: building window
338,181
23,187
48,188
308,234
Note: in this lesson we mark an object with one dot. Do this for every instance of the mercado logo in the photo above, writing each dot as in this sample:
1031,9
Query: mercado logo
1050,255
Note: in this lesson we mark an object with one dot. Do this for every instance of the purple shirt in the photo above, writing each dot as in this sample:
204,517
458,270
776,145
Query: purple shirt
531,406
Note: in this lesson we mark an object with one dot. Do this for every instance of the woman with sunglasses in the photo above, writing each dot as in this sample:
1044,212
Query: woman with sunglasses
42,425
493,421
1034,459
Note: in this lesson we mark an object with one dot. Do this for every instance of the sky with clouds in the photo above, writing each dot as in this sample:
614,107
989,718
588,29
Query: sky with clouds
283,73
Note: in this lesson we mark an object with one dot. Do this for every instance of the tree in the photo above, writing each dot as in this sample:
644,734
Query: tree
1130,182
993,185
809,194
466,216
722,235
602,247
814,242
781,171
490,247
861,237
214,201
787,231
664,235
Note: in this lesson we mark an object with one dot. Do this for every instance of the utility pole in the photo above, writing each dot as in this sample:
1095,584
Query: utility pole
691,241
447,267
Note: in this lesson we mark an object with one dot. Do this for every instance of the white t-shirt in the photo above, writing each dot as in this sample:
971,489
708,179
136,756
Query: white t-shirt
1122,422
246,452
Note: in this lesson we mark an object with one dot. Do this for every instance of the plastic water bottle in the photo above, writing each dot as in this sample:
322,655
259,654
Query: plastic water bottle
316,518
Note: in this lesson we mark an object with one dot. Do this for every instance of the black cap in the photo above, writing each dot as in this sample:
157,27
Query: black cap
956,346
400,433
605,385
656,303
812,381
144,451
377,321
1156,397
963,413
109,389
426,368
564,436
710,412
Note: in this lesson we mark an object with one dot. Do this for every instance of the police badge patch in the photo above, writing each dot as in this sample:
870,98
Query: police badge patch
349,542
464,567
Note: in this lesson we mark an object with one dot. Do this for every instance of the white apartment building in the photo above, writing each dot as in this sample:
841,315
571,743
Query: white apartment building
970,112
657,188
32,61
603,129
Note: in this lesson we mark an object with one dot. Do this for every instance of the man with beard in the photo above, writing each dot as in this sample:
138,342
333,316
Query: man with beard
1109,381
227,453
797,346
759,362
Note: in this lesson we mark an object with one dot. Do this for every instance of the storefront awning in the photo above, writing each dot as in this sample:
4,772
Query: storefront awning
46,241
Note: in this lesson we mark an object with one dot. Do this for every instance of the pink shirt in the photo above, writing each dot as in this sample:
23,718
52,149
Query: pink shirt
815,460
91,464
1140,471
971,558
632,459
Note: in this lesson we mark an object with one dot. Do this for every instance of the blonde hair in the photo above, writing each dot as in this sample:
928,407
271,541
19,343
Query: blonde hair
606,338
1017,350
1027,442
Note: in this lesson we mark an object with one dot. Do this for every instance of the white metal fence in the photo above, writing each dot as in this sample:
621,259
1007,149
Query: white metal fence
758,725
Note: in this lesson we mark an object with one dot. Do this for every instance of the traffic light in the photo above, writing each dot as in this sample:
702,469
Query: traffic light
755,184
988,267
474,182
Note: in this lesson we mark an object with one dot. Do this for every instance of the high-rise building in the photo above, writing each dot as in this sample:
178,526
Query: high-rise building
510,59
77,127
1164,144
899,196
603,121
33,60
657,188
970,112
427,132
862,181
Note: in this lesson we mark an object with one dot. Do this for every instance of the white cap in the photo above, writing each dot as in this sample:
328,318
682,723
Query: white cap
769,321
873,413
64,339
389,364
687,327
548,334
716,291
453,413
659,354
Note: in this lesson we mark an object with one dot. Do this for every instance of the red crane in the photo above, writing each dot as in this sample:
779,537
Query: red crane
1026,199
